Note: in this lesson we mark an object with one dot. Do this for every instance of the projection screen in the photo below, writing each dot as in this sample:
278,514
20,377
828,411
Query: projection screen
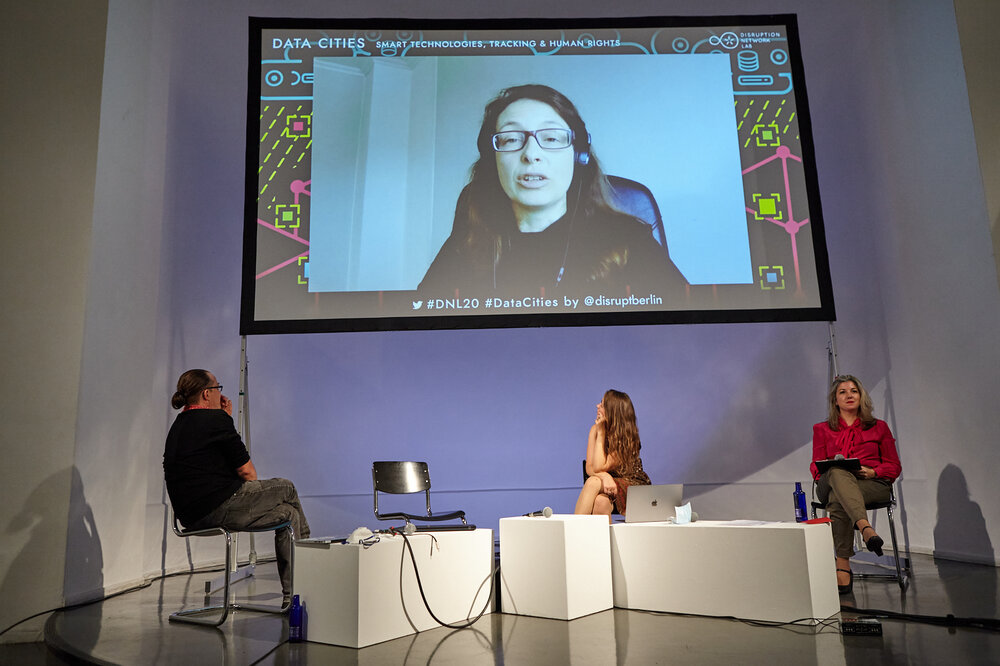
409,174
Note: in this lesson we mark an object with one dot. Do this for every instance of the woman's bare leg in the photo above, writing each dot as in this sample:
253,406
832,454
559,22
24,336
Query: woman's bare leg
843,578
588,496
603,506
862,525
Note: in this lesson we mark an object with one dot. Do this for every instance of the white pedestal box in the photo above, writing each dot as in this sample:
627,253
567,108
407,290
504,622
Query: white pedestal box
557,567
357,596
762,571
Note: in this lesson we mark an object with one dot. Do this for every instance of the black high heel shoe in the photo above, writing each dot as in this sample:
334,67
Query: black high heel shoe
873,544
846,589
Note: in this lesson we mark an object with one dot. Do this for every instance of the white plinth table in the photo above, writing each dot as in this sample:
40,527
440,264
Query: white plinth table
557,567
746,569
356,596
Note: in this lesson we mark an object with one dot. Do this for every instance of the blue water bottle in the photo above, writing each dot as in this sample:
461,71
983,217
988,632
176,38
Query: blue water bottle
295,621
800,502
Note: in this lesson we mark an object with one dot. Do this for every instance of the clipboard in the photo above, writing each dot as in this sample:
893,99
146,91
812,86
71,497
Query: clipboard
850,464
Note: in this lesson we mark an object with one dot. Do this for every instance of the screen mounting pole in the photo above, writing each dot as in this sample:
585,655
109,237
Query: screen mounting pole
831,355
233,571
243,420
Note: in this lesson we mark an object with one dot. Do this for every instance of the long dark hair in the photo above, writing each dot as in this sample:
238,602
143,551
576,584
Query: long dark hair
621,430
484,217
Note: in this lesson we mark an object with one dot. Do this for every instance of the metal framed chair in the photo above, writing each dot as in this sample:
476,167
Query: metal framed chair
404,477
901,562
195,615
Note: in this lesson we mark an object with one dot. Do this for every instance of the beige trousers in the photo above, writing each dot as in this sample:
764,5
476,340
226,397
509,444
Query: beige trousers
845,496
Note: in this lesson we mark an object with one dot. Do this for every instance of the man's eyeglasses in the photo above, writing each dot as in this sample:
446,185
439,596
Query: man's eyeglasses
549,139
209,388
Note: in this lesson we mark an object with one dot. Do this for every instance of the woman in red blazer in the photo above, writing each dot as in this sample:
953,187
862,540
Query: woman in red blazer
853,432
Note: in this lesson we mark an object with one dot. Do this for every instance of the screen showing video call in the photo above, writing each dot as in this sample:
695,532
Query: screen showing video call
409,174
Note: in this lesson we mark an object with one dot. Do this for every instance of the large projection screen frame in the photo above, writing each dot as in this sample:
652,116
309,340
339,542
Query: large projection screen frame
783,273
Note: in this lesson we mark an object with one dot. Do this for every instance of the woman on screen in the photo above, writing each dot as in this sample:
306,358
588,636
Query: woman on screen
536,213
613,463
851,431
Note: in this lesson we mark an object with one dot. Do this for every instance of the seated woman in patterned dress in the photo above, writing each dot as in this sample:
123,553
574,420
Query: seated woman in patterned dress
613,463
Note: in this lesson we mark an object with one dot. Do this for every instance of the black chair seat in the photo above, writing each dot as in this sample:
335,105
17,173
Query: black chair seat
435,517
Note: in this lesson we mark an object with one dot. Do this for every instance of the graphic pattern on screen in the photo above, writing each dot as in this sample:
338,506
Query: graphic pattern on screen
283,182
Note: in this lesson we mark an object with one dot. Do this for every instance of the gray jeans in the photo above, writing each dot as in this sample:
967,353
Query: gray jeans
258,504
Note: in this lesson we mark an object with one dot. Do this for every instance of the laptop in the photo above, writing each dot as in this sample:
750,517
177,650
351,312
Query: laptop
647,504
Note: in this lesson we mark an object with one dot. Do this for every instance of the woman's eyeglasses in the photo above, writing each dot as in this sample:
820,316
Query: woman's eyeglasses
548,139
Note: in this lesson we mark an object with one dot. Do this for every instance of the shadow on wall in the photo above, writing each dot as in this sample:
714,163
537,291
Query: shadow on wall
84,561
84,579
960,532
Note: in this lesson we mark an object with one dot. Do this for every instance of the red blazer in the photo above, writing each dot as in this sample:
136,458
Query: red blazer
874,447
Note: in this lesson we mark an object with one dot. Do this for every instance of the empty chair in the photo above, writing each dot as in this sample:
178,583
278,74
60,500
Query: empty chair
398,478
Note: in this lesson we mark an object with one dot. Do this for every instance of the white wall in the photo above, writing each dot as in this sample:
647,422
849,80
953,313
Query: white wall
117,428
49,135
935,260
502,415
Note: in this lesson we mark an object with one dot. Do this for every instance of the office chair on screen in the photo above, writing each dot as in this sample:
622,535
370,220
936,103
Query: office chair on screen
901,561
195,615
401,478
635,199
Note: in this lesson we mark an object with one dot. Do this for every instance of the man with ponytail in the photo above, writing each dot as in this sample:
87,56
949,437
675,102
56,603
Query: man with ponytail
210,478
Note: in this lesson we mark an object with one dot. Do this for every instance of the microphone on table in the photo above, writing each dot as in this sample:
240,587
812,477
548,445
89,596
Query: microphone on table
839,456
546,513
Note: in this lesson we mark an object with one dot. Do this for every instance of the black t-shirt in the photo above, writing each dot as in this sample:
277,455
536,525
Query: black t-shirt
606,253
200,459
535,258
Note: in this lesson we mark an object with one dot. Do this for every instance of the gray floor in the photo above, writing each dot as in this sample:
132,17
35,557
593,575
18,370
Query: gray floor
133,629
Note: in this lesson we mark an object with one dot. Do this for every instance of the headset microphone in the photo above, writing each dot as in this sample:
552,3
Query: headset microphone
583,157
